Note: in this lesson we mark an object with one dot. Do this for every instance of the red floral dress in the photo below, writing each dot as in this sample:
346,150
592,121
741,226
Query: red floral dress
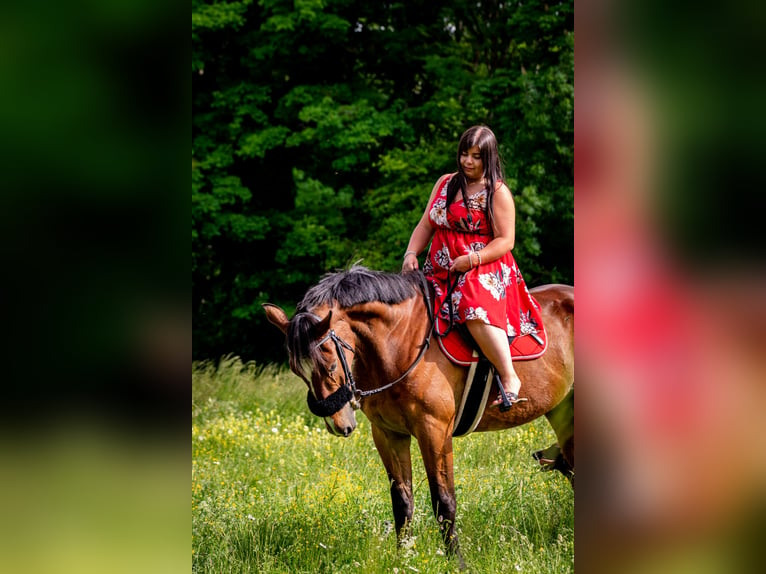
494,292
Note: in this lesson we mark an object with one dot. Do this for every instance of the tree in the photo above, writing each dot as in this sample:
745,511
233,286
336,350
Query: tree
319,127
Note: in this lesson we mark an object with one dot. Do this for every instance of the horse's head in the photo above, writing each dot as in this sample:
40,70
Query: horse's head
321,355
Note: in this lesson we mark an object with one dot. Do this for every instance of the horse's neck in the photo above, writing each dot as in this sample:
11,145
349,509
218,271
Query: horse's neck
388,335
374,322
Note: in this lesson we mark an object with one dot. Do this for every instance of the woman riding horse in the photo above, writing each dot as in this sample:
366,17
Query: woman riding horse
470,222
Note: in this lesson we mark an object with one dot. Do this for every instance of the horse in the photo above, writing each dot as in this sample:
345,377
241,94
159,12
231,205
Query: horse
362,339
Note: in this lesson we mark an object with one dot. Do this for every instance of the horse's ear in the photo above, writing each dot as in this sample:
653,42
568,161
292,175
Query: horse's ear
276,316
323,326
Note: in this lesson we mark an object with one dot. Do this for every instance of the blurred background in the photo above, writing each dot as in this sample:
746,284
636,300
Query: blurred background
94,116
671,287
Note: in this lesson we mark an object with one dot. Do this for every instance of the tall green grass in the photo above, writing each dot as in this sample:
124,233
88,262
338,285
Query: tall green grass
273,491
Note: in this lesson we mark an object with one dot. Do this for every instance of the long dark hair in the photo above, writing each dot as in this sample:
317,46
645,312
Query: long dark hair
483,137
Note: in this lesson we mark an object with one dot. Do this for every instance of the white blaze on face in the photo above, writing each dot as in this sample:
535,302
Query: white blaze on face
307,367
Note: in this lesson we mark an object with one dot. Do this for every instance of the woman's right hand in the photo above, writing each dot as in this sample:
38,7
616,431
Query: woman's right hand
410,262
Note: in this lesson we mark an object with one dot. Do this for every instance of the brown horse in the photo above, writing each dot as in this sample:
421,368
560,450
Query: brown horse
360,339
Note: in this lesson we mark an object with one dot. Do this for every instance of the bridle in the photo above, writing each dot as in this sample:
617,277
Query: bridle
348,392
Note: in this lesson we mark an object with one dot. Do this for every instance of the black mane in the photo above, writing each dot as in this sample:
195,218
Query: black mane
354,286
361,285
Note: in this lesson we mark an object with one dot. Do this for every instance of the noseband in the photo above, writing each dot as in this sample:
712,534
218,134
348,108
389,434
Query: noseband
337,400
348,391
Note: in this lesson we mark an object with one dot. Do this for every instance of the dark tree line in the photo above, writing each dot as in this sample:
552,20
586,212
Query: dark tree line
320,126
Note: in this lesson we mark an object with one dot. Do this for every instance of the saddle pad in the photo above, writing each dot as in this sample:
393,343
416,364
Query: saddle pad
461,351
475,394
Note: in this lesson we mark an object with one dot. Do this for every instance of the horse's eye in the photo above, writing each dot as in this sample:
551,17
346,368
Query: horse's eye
334,366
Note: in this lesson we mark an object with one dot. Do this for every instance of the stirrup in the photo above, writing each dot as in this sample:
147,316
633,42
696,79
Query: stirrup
509,399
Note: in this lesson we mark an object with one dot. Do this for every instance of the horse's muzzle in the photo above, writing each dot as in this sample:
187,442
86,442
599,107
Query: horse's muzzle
344,429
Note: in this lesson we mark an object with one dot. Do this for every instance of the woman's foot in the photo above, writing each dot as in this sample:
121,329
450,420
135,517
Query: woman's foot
505,399
510,398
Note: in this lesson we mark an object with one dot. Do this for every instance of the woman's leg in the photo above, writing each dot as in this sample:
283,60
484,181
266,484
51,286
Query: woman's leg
494,344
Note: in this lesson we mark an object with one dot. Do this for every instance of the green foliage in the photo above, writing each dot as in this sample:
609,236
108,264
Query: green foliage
273,491
320,126
316,237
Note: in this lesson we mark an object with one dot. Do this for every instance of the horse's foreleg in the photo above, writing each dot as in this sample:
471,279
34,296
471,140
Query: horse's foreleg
436,449
394,450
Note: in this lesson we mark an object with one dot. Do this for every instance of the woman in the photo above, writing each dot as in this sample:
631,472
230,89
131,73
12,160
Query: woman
471,218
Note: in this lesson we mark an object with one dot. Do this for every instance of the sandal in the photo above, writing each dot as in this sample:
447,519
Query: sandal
504,400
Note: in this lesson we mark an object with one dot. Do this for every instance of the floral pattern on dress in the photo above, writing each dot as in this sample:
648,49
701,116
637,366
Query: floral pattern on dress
455,299
442,258
506,272
493,282
476,314
438,212
477,246
470,225
428,267
526,323
477,200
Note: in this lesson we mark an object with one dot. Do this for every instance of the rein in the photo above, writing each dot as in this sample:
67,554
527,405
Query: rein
349,392
448,300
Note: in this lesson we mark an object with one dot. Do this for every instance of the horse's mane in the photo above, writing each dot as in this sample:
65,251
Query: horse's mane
360,285
347,288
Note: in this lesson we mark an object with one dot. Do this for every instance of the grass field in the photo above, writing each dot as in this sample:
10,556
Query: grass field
273,491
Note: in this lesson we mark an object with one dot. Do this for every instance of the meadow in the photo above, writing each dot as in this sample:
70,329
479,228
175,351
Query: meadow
274,492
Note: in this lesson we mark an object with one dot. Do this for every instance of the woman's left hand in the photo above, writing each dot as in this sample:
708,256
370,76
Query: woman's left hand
461,264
